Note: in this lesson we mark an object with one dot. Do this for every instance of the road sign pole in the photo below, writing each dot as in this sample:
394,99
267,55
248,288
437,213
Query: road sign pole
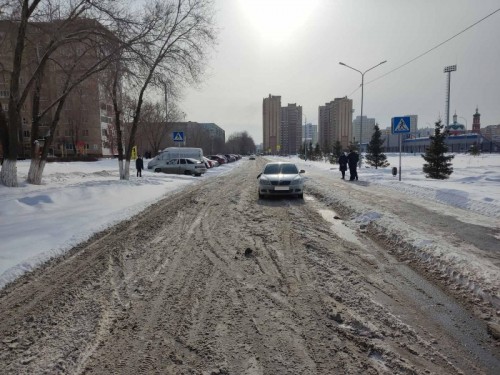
400,143
401,125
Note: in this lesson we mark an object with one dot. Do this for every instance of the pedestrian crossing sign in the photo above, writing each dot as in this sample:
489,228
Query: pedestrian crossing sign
400,125
178,136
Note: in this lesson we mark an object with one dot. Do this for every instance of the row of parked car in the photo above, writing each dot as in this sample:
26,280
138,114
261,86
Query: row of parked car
187,160
194,167
219,159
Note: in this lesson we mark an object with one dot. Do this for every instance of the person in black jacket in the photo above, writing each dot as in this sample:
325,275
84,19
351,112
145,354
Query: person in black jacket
139,165
343,164
352,160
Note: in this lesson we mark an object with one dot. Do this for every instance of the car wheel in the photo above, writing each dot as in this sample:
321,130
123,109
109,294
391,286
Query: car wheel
301,196
261,196
157,170
189,173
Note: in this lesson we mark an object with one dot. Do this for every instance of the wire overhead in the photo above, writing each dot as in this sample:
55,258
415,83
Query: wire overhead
428,51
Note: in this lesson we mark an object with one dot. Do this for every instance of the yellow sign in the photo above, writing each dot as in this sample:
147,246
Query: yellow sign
134,152
278,147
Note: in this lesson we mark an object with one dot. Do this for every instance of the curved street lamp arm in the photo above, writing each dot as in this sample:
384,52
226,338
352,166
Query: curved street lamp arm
373,67
350,67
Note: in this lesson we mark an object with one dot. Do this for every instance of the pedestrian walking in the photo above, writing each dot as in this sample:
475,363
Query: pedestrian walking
139,165
352,161
343,164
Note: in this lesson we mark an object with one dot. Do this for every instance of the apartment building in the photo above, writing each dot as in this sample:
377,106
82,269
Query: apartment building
335,123
86,121
271,124
310,134
366,133
154,137
291,129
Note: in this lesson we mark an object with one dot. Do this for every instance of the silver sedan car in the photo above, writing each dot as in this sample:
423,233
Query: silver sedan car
184,166
281,178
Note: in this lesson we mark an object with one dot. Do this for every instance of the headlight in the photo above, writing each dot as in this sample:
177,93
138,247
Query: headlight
296,181
264,181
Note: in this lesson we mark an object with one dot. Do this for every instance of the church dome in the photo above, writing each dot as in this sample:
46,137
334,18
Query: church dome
455,125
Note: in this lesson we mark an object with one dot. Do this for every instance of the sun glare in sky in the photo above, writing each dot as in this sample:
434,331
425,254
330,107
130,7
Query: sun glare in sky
277,20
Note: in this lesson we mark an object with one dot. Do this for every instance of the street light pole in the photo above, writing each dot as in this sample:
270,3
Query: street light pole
362,94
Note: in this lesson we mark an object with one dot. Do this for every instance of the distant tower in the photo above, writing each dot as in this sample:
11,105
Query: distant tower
476,122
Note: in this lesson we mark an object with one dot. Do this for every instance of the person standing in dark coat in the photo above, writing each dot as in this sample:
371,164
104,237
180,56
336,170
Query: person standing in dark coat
343,164
352,160
139,165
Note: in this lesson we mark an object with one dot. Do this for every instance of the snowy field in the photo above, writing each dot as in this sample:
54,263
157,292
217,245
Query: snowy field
78,199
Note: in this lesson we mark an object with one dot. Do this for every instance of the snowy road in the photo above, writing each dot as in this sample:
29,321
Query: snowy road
212,280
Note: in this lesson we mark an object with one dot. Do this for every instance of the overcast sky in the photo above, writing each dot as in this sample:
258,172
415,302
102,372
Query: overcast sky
292,48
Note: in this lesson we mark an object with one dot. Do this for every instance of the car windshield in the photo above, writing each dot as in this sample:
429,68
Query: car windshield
281,169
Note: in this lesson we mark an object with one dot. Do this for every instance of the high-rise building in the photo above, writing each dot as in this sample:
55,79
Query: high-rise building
335,123
271,124
368,129
310,134
291,129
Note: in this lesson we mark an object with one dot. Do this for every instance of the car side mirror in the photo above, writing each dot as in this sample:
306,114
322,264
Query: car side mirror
260,174
302,171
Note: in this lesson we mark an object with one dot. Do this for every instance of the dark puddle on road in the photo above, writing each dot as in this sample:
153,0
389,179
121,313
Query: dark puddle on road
429,301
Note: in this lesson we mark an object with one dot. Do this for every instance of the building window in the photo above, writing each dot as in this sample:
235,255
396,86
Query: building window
105,132
95,147
69,146
26,133
87,146
68,132
4,93
85,132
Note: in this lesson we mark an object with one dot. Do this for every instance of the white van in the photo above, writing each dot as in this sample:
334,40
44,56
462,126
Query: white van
174,153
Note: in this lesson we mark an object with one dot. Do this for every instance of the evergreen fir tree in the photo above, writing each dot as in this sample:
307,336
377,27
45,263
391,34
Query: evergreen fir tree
301,151
375,151
317,152
310,151
337,151
474,150
438,165
354,146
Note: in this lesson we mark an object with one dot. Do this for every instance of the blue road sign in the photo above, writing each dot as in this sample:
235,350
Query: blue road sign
400,125
178,136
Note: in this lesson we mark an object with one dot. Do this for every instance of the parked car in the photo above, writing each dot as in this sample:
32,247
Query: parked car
230,158
251,157
281,178
170,153
184,166
218,158
208,163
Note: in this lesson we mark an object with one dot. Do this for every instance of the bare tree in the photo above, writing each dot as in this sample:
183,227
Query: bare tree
175,48
59,27
8,174
240,143
156,124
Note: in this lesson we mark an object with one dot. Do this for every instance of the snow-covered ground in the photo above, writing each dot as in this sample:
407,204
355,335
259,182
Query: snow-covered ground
78,199
466,207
